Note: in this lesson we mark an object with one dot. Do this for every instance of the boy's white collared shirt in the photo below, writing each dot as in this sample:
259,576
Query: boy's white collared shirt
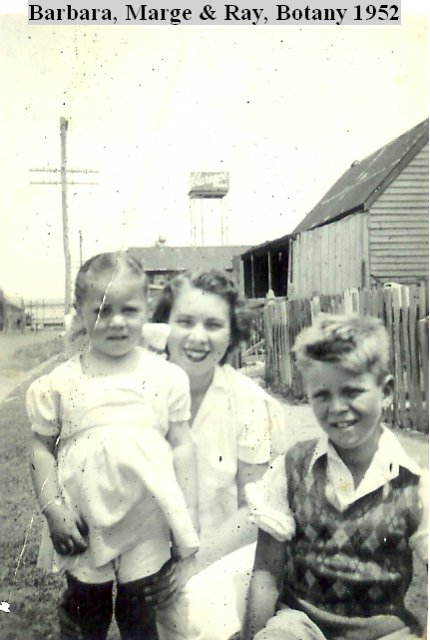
268,497
340,490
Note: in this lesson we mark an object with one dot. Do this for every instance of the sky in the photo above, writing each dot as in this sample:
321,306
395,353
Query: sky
284,109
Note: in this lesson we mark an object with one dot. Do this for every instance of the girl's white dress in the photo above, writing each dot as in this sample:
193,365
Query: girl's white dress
114,464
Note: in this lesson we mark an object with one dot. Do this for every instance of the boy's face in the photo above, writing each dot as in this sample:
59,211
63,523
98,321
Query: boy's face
113,312
347,406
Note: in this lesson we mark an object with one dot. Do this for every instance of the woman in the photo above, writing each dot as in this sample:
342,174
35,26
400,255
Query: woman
237,428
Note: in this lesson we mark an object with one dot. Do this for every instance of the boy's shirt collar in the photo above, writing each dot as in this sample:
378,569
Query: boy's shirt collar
388,458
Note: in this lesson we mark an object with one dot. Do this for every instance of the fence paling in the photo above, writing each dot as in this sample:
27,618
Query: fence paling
398,365
408,342
387,317
415,387
423,336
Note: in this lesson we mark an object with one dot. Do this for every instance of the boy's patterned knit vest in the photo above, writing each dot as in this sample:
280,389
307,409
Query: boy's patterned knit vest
355,563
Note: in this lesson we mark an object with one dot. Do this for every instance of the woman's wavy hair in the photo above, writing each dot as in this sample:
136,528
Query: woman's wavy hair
212,281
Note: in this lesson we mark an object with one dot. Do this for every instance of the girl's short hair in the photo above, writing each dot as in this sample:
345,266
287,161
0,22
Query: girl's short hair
212,281
110,263
358,343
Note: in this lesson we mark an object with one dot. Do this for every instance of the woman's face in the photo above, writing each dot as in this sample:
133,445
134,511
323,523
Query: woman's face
200,334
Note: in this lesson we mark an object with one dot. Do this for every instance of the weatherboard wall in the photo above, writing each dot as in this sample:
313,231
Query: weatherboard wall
330,258
399,226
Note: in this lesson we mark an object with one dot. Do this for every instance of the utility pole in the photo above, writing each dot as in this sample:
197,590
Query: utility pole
80,248
64,182
67,257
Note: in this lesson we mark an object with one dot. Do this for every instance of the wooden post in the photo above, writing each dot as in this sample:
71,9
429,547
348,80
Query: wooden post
202,222
67,258
252,277
423,337
269,271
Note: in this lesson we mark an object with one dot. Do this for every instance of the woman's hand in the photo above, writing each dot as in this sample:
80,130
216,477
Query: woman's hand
166,584
67,531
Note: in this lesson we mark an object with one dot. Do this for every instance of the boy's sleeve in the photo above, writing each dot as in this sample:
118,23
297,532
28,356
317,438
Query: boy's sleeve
178,395
42,404
419,540
267,500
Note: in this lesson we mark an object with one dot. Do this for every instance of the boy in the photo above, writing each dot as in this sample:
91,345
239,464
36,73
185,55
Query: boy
338,516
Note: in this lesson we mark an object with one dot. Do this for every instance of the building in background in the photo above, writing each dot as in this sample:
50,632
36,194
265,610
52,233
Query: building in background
265,268
371,228
45,314
162,262
12,313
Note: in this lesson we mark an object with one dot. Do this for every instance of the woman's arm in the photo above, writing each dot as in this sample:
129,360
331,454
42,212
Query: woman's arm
66,530
232,534
184,460
265,584
235,532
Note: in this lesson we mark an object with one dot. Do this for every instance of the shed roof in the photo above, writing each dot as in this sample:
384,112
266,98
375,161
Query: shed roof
365,180
269,245
164,258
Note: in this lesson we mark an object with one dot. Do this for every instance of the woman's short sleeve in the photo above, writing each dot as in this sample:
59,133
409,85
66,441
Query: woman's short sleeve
260,422
178,395
268,503
42,404
279,440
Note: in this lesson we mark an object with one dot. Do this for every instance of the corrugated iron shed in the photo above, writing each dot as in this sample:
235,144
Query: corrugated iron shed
364,181
164,258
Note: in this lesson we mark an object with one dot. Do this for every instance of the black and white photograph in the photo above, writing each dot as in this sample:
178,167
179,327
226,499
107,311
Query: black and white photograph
217,214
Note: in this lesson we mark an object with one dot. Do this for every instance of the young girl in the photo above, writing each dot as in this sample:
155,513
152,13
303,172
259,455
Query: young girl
339,516
105,424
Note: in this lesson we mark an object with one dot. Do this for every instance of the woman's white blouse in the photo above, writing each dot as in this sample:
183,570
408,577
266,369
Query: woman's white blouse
237,421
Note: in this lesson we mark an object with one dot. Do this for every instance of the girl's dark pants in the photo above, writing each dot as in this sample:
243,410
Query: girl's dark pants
85,612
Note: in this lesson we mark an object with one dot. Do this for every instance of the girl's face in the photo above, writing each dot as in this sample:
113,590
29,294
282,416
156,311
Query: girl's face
201,331
113,312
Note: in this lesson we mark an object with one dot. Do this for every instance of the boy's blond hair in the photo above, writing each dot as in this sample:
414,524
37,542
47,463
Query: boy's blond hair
358,343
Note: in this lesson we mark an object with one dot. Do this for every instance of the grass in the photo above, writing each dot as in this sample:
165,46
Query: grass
31,594
32,355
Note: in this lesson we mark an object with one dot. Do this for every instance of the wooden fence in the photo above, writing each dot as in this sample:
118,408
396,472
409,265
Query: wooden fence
404,312
255,346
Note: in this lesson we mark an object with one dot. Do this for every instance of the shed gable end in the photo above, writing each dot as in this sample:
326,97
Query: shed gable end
399,226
